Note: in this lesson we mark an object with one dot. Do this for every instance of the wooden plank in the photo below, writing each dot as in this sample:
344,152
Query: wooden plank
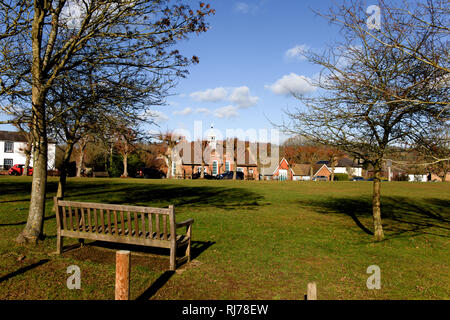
95,222
136,225
122,223
165,227
129,223
77,219
64,218
102,221
115,222
113,207
71,219
83,222
109,221
90,219
116,239
150,225
157,226
143,224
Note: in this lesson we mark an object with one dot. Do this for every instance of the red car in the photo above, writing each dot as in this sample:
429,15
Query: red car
17,170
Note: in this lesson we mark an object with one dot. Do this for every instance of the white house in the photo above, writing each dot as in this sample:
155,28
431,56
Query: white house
12,146
417,177
348,166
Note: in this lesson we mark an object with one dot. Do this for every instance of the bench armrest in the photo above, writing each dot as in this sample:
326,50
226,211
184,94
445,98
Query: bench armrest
185,223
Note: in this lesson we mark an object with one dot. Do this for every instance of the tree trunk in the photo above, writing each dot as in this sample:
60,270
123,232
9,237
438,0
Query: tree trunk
35,222
311,173
27,159
63,175
111,157
169,167
376,205
125,166
80,162
202,173
333,165
234,171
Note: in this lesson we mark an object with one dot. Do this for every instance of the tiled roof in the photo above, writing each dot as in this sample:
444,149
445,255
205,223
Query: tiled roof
12,136
16,136
301,169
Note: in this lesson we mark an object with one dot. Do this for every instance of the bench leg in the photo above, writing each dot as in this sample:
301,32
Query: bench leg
59,244
81,241
173,257
188,250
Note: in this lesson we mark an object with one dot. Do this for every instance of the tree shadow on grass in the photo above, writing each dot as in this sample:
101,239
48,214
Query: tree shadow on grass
155,259
399,214
179,196
198,247
23,270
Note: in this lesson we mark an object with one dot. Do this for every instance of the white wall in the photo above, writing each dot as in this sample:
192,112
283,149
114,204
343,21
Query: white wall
18,155
417,178
353,171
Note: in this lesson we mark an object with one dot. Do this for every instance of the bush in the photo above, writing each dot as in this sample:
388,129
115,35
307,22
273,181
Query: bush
340,177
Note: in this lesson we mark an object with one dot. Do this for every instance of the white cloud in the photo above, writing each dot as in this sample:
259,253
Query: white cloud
156,116
242,7
292,83
297,52
226,112
184,112
210,95
241,96
237,95
202,110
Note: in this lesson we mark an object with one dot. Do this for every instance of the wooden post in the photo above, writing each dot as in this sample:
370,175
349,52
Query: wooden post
122,275
311,293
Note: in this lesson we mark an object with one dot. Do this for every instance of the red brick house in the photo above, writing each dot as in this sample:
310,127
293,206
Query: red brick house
295,171
217,159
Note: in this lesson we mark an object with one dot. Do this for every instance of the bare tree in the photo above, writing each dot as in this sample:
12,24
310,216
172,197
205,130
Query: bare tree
168,140
371,96
137,33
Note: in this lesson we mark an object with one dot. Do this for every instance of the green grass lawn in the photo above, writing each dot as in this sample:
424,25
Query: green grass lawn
252,240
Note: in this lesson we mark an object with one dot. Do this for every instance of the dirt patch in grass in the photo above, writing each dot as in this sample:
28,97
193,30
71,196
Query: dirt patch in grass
104,255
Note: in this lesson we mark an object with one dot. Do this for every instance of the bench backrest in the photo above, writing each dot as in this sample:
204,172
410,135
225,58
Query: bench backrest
120,220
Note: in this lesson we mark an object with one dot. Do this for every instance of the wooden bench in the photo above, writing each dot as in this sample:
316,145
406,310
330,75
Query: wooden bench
153,227
100,174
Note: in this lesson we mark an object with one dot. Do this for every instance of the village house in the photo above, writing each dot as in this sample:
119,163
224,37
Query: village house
12,146
217,159
304,172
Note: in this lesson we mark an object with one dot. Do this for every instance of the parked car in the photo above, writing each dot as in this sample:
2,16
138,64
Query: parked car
150,173
320,178
17,170
229,175
357,179
205,176
381,179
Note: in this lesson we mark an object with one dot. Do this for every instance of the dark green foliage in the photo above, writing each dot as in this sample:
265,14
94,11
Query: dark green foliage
341,177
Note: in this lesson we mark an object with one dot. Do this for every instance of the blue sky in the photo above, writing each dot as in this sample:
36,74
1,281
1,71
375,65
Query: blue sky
248,60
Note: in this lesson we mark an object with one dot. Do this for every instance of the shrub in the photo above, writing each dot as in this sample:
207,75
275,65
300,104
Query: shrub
340,177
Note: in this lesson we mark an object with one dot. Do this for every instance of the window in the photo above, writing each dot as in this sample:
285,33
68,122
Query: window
227,166
214,167
240,169
9,147
7,163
